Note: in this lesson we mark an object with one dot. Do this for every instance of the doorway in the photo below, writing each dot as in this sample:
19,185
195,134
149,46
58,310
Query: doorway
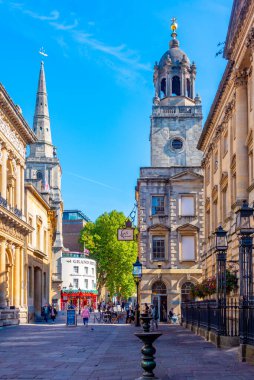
159,299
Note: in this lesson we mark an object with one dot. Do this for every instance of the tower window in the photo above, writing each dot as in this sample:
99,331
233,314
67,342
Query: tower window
163,87
177,144
188,88
39,176
176,86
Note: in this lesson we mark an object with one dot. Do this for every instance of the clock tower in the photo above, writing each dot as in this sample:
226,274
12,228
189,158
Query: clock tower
176,119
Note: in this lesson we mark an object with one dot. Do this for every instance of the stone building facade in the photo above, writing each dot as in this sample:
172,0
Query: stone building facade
170,192
15,134
41,218
43,170
227,137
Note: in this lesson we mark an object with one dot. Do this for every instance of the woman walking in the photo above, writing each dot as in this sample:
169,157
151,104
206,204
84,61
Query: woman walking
85,315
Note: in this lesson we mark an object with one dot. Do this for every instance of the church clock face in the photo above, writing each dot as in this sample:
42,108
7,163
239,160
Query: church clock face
175,145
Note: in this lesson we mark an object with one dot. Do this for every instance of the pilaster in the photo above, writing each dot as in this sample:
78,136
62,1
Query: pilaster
2,273
241,109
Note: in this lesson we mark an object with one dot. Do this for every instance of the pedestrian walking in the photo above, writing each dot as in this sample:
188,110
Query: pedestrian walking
155,317
45,312
53,313
170,315
122,306
85,314
146,309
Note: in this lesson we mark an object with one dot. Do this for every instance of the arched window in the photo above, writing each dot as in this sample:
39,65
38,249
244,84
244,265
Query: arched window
163,87
39,176
159,288
186,291
188,87
176,86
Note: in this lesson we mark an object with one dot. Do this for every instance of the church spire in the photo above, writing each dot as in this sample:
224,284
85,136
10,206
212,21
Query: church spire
41,124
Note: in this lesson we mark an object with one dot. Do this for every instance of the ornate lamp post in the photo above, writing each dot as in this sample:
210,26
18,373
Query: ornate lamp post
70,288
245,233
79,291
221,246
137,275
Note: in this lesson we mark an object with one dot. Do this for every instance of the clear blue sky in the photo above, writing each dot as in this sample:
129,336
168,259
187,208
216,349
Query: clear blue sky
99,80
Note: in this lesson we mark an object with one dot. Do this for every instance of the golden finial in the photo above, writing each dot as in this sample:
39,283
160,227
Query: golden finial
173,27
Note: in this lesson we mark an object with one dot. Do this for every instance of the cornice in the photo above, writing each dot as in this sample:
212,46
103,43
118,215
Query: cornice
14,115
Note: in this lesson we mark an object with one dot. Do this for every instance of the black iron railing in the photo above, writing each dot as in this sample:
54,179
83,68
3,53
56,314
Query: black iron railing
14,210
223,319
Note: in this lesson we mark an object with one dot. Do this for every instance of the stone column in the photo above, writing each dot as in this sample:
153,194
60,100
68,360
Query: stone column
4,174
241,111
18,188
22,189
17,277
22,280
2,273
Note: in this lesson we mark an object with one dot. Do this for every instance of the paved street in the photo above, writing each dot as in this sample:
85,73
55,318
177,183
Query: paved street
110,352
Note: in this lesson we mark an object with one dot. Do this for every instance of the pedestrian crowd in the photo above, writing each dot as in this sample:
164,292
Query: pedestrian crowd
48,312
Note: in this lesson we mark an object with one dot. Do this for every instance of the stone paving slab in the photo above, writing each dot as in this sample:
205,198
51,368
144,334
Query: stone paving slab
57,352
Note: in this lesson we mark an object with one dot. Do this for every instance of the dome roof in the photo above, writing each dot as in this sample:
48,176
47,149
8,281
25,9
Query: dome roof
175,54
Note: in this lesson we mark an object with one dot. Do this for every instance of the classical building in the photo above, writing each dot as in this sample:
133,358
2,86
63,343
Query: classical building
15,134
41,218
170,192
227,137
79,280
43,170
73,222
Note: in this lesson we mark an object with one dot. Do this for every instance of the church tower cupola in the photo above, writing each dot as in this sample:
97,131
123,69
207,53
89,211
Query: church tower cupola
176,119
174,75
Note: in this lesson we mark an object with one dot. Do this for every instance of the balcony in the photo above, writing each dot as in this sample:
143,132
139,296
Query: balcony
176,111
14,210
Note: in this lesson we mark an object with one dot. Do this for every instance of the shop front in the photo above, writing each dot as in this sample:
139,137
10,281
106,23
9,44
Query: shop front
79,298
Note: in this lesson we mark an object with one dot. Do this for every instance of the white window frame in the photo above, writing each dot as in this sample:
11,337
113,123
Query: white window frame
195,247
74,269
191,196
75,280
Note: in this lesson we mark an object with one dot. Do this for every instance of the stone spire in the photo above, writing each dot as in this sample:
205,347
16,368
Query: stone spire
41,124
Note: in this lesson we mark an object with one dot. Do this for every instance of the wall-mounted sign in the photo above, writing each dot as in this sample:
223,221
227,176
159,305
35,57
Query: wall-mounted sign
125,234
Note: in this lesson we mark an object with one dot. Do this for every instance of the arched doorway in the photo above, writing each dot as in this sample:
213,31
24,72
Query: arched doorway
186,291
159,299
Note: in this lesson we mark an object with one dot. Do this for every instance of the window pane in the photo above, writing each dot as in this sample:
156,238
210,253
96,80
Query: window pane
75,283
157,205
187,206
188,247
158,247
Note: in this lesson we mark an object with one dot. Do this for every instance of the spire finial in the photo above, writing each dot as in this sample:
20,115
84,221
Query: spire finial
174,27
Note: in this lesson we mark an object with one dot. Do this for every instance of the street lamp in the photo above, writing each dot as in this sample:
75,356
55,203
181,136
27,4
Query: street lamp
137,275
79,291
221,246
245,233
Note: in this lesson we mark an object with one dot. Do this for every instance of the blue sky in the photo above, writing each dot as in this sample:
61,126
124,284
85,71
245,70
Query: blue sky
99,80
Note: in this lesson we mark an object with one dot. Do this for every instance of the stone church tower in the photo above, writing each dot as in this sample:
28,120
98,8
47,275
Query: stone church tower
43,170
169,193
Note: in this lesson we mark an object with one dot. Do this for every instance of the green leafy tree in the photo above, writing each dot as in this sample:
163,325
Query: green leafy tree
114,258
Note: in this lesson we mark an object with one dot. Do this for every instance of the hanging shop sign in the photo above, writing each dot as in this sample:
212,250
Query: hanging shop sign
125,234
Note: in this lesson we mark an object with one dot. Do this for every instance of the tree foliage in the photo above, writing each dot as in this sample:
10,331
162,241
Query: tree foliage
114,258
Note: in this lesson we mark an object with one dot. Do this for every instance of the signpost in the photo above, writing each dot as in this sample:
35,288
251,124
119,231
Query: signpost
71,319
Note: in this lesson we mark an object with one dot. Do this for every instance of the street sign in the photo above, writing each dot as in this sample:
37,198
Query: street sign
71,319
125,234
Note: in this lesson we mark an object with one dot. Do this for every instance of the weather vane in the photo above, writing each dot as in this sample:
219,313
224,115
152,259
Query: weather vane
42,52
173,27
